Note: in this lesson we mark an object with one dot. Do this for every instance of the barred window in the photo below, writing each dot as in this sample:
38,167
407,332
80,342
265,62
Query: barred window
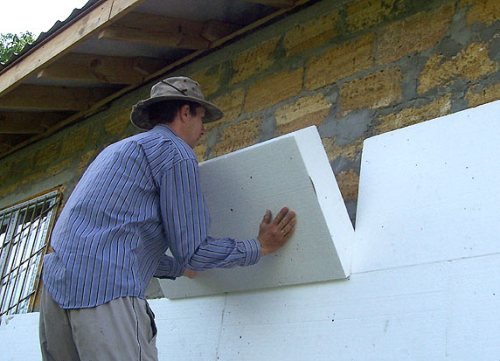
24,233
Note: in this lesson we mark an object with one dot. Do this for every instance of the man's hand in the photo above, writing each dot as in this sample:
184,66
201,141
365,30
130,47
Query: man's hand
274,233
189,273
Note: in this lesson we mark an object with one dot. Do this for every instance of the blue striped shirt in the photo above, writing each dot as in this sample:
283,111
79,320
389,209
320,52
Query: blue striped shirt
139,198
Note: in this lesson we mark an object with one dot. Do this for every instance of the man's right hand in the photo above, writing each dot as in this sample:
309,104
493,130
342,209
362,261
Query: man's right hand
274,233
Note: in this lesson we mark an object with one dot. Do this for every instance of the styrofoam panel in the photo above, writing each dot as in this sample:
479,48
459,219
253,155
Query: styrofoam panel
439,311
430,192
188,329
385,315
19,337
474,313
240,186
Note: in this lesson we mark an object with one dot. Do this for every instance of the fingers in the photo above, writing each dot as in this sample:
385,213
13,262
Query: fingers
267,217
288,229
279,217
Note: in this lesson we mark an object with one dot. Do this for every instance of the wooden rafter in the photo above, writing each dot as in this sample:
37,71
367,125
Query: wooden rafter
275,3
64,41
33,97
29,122
101,69
167,31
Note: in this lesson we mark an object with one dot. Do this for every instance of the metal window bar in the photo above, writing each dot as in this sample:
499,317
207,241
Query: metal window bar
24,234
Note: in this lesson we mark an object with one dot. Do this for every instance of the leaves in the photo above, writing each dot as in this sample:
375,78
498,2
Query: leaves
11,44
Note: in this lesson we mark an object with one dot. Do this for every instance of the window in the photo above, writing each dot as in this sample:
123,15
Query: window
24,234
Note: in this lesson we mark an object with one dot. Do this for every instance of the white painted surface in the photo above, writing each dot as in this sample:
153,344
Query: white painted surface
433,305
292,170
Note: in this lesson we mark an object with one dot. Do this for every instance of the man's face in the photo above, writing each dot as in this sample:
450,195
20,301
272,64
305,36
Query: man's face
194,127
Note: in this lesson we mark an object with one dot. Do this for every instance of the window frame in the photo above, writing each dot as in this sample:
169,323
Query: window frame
25,230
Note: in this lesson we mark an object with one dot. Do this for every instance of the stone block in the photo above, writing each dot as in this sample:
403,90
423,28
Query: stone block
76,141
306,111
231,104
273,89
254,60
116,124
339,62
348,183
482,11
373,91
477,97
363,14
209,79
350,151
237,136
413,34
471,63
414,115
311,34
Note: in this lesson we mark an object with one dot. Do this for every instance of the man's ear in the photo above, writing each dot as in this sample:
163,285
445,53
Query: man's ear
184,112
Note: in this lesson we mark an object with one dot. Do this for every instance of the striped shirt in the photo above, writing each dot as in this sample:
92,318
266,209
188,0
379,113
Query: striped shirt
139,198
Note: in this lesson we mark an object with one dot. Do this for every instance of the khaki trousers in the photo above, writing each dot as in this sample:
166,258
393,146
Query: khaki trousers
121,330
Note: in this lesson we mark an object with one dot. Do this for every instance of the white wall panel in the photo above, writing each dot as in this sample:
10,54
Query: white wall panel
292,170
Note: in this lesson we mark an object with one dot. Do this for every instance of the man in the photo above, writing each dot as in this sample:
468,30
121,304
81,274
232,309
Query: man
140,197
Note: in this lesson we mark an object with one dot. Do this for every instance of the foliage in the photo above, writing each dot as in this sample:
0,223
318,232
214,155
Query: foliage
11,44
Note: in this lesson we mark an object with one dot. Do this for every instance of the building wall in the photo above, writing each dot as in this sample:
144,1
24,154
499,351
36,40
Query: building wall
353,68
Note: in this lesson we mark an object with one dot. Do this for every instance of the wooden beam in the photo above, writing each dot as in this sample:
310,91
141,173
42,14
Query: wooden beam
158,30
95,69
33,97
63,41
161,73
275,3
29,122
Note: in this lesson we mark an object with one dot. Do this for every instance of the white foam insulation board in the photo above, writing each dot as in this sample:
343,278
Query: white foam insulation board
291,170
434,186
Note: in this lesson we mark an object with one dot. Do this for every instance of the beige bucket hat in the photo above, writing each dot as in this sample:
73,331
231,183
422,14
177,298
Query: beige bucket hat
175,88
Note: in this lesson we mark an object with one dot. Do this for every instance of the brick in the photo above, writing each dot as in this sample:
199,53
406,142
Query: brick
482,11
363,14
311,34
306,111
348,182
273,89
254,60
334,151
374,91
339,62
414,34
414,115
231,104
471,63
237,136
209,79
477,97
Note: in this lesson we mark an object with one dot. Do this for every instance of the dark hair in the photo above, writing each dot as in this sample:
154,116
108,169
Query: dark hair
164,112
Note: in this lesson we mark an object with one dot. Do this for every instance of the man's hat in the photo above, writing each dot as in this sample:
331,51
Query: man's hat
176,88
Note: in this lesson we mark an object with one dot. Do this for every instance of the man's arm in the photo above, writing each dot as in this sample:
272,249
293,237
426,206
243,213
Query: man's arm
185,220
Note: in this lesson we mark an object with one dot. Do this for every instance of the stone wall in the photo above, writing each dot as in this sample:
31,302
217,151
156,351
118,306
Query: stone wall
353,68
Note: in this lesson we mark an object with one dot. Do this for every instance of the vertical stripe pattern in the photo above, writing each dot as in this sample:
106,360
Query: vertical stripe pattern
139,198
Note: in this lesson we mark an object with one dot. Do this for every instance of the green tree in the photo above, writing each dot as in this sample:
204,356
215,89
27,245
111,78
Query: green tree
11,44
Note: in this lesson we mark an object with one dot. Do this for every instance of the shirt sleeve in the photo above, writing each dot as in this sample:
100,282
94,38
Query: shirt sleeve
168,268
185,218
